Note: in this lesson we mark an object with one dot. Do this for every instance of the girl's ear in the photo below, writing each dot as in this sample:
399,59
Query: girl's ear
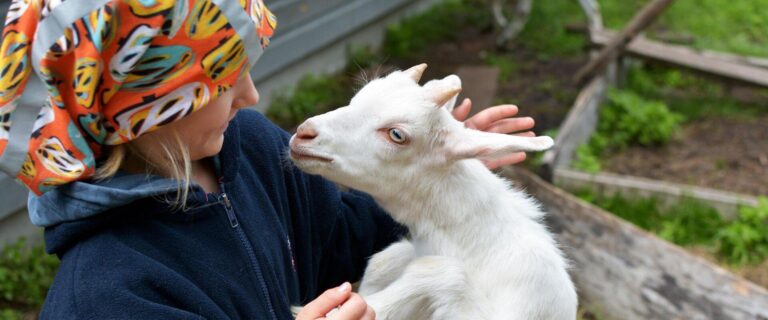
444,91
473,144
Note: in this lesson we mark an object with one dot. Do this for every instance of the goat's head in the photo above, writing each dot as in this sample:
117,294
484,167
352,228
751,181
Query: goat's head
393,130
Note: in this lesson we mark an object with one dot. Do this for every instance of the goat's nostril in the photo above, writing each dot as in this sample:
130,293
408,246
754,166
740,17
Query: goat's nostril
306,132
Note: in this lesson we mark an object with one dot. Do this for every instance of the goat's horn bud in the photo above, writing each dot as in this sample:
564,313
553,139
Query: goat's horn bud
443,96
415,72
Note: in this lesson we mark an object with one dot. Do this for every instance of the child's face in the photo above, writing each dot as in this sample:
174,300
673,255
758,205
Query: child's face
203,130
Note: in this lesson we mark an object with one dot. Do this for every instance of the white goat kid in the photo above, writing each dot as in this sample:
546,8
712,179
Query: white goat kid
478,249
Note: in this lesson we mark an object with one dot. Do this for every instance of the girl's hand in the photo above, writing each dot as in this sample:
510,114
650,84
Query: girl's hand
338,303
496,119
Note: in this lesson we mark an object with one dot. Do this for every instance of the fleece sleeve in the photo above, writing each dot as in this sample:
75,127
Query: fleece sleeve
358,229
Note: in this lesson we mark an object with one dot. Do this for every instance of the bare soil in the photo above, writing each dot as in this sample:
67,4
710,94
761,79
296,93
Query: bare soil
725,154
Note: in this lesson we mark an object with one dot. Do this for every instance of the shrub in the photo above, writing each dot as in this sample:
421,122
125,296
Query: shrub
745,240
691,222
626,119
642,212
629,119
587,159
25,276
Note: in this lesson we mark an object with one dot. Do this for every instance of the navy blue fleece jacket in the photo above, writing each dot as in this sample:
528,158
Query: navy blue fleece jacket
274,237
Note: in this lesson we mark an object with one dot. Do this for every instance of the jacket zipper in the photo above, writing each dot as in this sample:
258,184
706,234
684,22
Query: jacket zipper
230,212
248,248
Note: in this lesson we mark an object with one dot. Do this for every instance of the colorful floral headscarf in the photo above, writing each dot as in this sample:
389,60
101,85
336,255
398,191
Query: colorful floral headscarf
113,70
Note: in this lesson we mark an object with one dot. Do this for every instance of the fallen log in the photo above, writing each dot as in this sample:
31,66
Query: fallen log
628,273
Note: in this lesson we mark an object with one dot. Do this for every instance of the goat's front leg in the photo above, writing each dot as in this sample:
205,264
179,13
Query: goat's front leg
435,285
386,266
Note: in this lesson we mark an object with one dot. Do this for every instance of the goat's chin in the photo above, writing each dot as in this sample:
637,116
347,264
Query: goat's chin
310,166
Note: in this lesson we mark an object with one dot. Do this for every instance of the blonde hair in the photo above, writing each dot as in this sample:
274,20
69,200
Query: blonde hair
174,162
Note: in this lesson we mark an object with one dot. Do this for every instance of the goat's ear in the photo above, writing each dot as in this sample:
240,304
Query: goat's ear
468,143
416,71
444,92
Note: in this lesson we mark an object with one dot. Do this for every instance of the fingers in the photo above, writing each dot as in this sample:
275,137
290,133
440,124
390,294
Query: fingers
462,111
511,125
330,299
369,314
354,309
484,119
511,159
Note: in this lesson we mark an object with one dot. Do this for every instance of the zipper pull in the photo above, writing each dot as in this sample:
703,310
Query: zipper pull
230,212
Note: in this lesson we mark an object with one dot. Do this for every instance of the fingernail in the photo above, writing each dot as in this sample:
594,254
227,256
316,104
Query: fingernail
344,287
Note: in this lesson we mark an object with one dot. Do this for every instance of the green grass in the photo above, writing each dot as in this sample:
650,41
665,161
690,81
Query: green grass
723,25
691,222
692,95
443,22
545,31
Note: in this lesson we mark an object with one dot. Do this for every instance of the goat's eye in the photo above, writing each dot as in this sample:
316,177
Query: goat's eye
397,136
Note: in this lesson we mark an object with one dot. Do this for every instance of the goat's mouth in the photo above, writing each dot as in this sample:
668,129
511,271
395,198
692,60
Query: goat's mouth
303,155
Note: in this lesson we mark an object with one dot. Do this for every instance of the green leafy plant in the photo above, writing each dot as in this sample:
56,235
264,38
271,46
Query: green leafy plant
25,276
745,240
690,222
626,119
587,159
643,212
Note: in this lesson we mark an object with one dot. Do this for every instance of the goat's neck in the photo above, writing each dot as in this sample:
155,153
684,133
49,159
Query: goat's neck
456,201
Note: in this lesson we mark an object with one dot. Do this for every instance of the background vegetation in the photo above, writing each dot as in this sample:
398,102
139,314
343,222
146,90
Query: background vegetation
722,25
26,273
739,242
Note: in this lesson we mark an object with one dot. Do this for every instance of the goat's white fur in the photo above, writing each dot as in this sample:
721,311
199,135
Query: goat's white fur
478,249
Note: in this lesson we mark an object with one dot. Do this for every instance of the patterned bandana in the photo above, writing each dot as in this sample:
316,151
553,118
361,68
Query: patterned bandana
113,70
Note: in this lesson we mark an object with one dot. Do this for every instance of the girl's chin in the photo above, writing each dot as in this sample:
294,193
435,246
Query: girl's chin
209,149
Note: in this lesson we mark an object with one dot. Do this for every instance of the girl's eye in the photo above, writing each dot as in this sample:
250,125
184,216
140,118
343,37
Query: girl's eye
397,136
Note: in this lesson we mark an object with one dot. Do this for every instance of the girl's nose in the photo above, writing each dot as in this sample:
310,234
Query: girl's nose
247,92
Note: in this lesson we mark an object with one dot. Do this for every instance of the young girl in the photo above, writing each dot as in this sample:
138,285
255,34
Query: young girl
160,198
